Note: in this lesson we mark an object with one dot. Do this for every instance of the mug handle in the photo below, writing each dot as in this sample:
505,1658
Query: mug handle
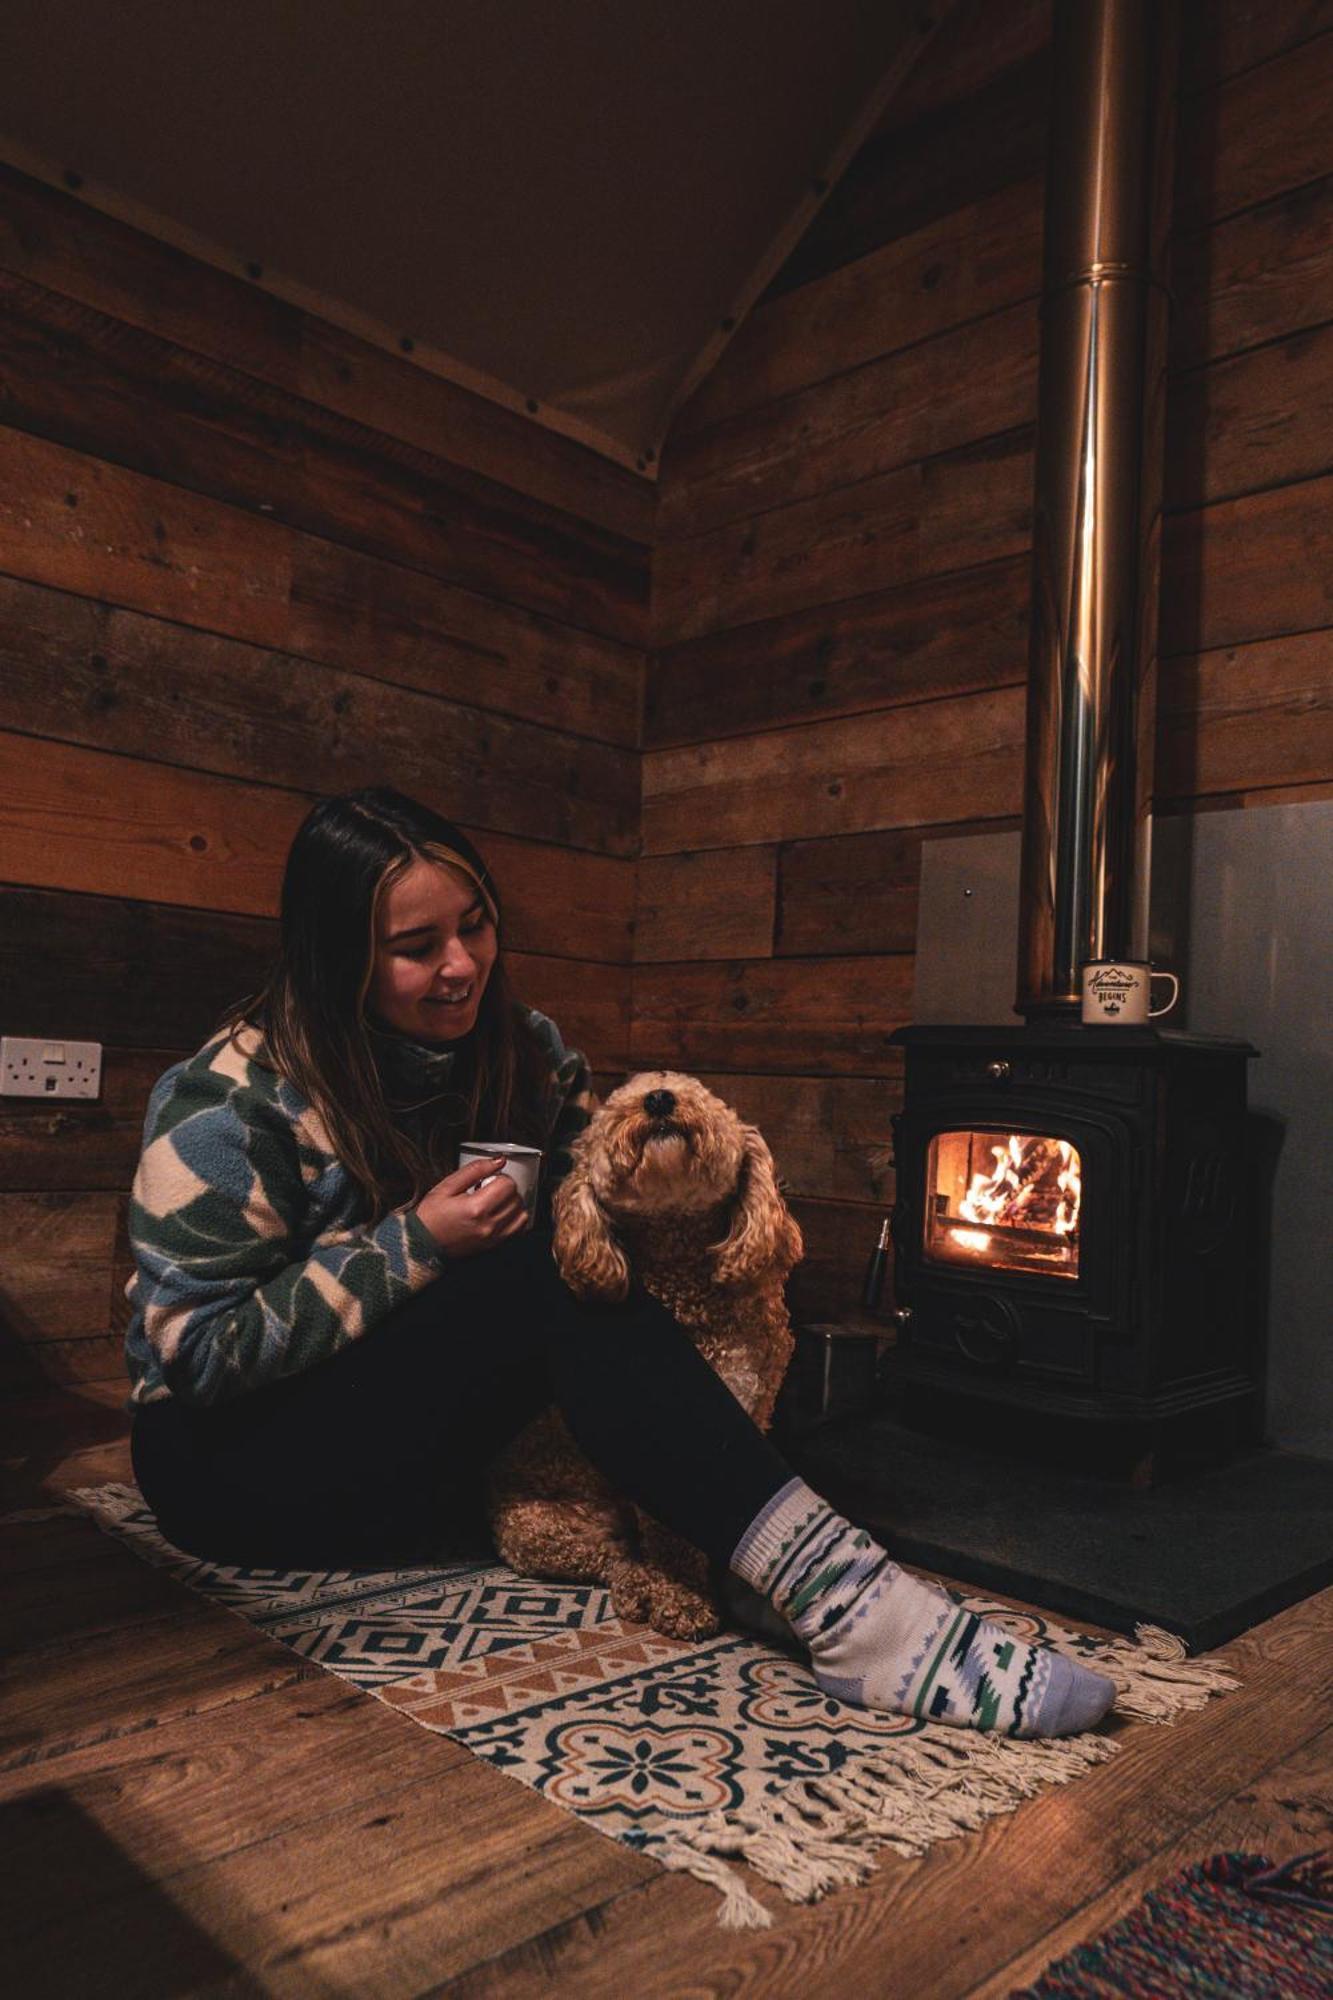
1153,1012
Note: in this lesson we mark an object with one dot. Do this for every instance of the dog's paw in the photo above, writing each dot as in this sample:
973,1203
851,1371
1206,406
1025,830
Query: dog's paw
631,1597
642,1595
683,1614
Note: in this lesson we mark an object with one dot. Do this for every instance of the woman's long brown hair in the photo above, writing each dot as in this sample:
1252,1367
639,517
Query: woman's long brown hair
311,1009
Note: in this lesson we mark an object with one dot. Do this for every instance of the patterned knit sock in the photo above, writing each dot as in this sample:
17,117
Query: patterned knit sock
883,1639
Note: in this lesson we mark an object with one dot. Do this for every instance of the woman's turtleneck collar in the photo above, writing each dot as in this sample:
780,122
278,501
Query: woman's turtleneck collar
416,1071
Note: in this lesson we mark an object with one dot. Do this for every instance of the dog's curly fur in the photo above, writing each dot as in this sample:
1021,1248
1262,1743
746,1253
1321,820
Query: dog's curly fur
685,1195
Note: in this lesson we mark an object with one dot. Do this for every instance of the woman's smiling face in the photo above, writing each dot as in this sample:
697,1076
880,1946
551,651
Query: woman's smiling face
435,945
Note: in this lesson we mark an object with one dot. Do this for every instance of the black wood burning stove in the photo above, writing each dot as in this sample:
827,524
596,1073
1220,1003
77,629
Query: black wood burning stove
1069,1230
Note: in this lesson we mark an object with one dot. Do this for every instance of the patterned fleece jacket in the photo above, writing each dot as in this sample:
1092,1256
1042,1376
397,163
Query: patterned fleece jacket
253,1257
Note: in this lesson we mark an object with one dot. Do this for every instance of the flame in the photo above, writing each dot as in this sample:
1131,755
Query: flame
1034,1183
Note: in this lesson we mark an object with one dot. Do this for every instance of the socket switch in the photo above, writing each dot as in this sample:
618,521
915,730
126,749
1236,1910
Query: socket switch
34,1067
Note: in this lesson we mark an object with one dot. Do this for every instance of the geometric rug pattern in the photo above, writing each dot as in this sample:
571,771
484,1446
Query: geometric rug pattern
687,1752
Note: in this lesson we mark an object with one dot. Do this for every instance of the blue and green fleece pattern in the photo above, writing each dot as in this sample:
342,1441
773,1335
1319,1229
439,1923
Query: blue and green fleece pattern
254,1257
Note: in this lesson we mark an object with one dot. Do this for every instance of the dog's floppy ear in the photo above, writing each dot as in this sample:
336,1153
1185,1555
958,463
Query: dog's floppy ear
763,1241
591,1261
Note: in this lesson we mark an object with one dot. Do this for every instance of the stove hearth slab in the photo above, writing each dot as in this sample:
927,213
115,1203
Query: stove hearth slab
1207,1554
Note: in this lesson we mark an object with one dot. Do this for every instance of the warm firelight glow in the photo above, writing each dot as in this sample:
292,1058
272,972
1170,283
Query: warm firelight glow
1023,1188
1018,1188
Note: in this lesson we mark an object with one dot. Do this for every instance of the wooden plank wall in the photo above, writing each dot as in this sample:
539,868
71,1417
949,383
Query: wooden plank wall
246,560
841,575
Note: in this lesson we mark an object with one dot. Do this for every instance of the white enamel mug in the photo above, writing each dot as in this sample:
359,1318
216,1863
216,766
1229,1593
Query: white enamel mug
1118,993
521,1163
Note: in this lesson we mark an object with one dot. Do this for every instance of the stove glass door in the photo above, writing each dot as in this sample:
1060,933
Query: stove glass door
1004,1200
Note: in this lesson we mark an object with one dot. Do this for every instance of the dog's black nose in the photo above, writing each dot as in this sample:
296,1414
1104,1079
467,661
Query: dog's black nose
659,1103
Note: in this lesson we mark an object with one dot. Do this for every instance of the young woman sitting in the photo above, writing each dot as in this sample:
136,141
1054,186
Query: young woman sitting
335,1327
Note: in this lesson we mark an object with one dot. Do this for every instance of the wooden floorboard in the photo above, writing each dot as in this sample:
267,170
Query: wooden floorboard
102,1688
320,1844
194,1790
969,1906
237,1822
63,1584
1286,1811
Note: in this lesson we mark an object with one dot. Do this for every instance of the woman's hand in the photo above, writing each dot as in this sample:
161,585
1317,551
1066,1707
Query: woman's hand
465,1217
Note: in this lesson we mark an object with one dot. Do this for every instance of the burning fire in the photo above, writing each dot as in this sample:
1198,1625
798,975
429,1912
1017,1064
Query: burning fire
1034,1184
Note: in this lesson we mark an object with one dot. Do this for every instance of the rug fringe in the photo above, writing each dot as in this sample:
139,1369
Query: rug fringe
1155,1677
824,1833
739,1909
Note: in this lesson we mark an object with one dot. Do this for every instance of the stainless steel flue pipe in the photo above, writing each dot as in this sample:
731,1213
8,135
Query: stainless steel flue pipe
1097,527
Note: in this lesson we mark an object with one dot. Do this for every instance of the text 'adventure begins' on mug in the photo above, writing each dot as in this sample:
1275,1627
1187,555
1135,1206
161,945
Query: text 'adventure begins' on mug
1118,993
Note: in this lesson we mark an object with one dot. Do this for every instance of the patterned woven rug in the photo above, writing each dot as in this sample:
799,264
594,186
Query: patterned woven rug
1234,1927
694,1754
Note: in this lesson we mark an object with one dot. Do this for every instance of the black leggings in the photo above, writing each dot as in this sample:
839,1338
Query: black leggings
378,1454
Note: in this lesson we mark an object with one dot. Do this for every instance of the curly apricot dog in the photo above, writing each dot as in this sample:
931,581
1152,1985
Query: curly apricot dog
667,1180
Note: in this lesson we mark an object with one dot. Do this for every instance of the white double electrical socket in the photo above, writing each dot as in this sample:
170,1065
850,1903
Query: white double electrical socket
34,1067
